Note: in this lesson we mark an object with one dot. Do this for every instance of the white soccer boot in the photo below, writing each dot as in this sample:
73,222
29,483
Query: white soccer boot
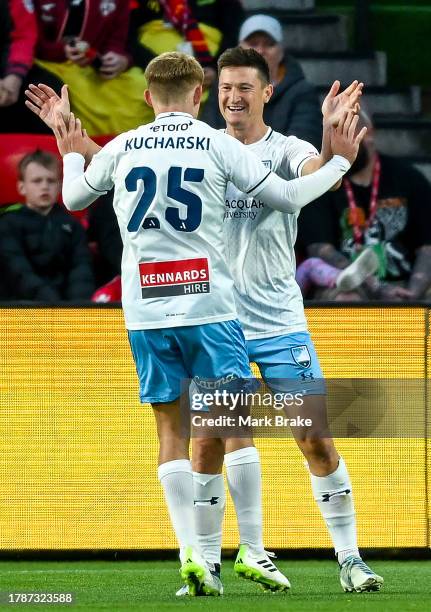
355,575
197,575
260,569
215,571
354,275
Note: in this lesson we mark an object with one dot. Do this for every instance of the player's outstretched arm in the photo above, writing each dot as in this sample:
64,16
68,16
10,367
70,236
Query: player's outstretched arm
335,105
337,102
71,141
291,196
46,104
344,139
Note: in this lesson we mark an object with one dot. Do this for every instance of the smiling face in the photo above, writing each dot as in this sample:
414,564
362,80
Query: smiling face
40,187
242,96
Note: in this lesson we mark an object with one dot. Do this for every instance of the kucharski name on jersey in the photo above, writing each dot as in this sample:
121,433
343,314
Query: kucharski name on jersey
179,277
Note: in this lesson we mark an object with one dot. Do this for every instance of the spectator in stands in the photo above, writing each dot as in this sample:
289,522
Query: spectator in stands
294,108
84,44
105,240
203,29
384,203
18,35
43,249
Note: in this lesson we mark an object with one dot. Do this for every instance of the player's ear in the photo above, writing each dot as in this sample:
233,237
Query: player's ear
147,96
197,95
269,90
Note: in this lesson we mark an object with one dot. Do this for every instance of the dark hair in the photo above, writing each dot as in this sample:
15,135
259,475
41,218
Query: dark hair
43,158
249,58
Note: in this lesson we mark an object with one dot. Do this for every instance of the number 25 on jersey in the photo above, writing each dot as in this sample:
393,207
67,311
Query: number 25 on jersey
175,191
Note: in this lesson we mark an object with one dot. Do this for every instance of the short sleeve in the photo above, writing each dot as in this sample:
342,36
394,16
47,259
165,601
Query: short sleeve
99,174
244,169
297,153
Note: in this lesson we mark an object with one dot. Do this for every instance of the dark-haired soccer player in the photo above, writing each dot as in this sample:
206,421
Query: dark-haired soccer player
170,178
260,250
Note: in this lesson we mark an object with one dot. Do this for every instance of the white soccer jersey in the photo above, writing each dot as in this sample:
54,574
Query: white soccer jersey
260,246
170,181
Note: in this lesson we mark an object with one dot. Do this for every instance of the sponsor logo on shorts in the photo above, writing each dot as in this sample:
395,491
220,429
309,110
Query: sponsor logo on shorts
179,277
301,356
214,383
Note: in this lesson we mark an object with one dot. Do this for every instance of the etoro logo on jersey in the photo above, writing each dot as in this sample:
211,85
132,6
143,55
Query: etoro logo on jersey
179,277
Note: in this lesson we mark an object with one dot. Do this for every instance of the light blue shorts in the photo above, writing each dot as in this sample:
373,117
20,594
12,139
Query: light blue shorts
288,363
166,358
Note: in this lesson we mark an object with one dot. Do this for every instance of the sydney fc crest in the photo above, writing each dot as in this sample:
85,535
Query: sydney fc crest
301,356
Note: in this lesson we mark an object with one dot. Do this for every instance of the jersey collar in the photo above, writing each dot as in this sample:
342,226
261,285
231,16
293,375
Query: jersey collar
265,137
173,114
269,132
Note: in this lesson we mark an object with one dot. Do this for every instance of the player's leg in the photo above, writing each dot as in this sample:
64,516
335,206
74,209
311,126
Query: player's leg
244,480
243,473
175,473
160,370
291,361
223,357
209,502
209,496
332,490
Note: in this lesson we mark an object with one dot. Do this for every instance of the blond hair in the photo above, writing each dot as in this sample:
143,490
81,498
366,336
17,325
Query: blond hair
170,76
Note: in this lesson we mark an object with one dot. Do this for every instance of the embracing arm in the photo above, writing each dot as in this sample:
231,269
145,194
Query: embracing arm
77,192
291,196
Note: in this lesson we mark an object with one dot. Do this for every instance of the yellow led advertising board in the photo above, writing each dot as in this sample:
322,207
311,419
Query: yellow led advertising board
78,451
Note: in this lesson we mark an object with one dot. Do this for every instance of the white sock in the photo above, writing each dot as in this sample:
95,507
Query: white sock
333,495
210,500
176,479
244,480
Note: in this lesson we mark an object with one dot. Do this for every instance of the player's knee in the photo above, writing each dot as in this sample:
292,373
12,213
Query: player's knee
207,455
317,449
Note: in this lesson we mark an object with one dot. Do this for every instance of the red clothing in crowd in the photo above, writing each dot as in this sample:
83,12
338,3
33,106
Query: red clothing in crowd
23,38
104,25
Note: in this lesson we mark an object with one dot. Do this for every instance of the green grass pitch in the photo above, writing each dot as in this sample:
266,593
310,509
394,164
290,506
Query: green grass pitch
151,585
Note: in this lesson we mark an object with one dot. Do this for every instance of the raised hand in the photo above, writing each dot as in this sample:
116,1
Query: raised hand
344,140
70,138
45,103
337,103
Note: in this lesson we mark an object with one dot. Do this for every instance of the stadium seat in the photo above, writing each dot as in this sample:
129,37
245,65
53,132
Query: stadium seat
13,147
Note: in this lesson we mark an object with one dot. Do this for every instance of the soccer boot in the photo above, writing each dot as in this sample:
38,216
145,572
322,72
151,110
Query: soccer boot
197,576
259,568
354,275
215,571
355,575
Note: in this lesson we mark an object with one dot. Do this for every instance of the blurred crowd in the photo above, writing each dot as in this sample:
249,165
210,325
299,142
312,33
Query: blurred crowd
100,48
